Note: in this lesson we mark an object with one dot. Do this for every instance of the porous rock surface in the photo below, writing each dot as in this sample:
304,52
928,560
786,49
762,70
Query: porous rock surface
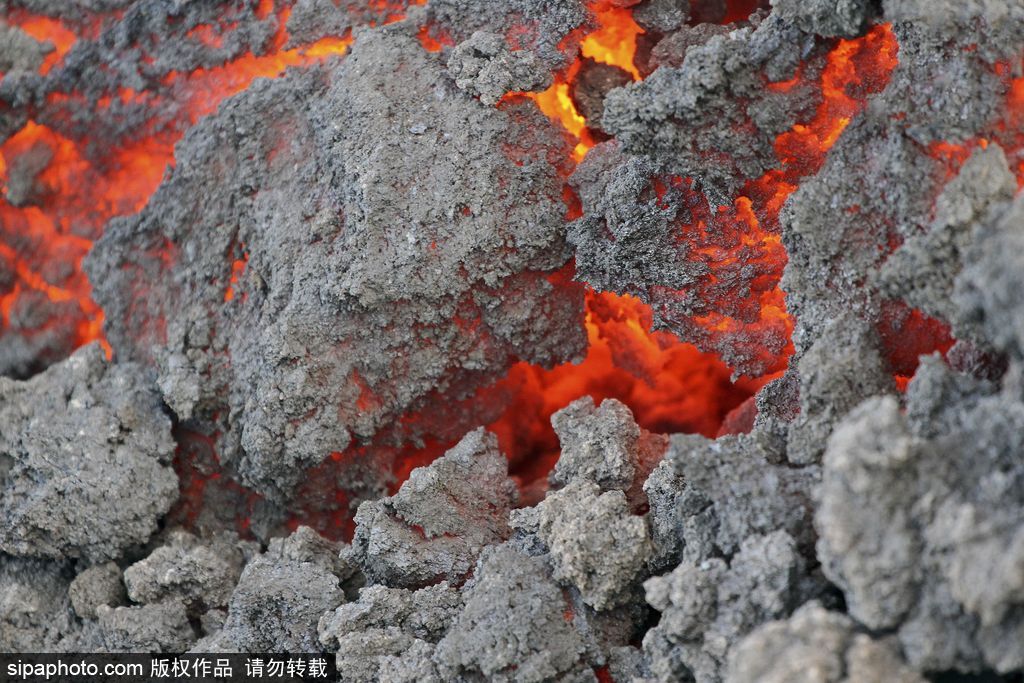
817,646
368,283
388,261
85,453
441,518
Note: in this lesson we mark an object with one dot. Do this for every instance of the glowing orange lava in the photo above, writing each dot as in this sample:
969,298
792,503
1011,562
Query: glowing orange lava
670,386
45,238
614,42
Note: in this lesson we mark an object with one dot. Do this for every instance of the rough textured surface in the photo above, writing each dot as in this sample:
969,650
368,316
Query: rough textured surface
732,492
344,259
922,270
540,26
528,639
816,646
162,627
388,630
596,544
985,291
200,574
915,509
84,460
628,241
687,117
96,586
483,65
707,607
368,284
440,519
35,611
278,602
599,444
844,18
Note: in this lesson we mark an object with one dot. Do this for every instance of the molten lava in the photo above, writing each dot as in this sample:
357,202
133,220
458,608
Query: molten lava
79,187
669,385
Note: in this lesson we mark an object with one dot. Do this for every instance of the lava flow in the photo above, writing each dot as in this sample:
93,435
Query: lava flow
62,187
669,385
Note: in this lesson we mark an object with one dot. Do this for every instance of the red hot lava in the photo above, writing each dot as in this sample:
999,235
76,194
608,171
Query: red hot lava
670,386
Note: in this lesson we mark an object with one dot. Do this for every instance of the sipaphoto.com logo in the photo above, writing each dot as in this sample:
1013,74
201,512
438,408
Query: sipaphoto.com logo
61,668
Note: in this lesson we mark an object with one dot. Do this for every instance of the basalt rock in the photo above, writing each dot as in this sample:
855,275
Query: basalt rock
85,453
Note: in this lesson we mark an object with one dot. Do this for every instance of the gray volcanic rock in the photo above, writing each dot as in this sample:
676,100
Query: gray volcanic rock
36,614
731,491
278,601
162,627
20,51
915,509
987,290
513,627
388,631
661,15
841,368
599,444
198,573
483,65
686,118
596,544
630,240
85,452
538,26
1000,21
369,285
922,270
96,586
817,646
707,608
844,18
440,519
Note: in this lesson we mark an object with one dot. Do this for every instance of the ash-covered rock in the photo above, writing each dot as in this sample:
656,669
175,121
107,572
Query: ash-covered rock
279,599
592,83
817,646
369,285
687,118
986,291
617,198
441,518
485,66
538,26
653,236
513,627
99,585
1000,23
915,509
85,454
20,52
595,543
707,608
36,614
200,573
732,491
599,444
844,18
390,633
922,270
842,367
661,15
161,627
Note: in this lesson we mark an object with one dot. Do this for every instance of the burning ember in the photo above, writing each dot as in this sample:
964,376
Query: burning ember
629,340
